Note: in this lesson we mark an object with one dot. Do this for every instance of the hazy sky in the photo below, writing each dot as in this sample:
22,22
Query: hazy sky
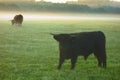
63,1
116,0
57,1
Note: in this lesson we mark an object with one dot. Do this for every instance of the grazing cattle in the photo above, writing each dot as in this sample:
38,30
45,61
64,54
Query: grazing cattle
75,44
18,19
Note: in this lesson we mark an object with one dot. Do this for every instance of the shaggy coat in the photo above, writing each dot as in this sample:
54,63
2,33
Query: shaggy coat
18,19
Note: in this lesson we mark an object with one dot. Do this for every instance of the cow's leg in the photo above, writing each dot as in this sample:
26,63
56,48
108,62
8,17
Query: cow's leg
73,61
61,60
99,62
98,58
104,60
104,64
20,24
101,57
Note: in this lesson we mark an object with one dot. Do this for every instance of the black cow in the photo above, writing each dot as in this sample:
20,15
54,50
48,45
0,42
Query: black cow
18,19
75,44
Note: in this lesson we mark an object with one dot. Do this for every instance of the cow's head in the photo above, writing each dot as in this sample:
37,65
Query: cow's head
12,21
62,37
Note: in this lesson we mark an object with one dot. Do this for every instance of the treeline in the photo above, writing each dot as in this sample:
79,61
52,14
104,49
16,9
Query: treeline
56,7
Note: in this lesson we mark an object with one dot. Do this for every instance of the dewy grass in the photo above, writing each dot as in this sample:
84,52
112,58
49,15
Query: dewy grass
30,53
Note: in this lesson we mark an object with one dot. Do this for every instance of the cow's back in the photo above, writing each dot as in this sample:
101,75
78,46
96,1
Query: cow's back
87,42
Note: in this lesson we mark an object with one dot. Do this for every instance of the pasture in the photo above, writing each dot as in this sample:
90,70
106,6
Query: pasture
30,52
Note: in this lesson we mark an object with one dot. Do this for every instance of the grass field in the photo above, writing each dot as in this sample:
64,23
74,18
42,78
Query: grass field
30,53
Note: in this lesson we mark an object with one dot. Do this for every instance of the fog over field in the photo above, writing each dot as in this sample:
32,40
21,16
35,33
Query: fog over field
59,16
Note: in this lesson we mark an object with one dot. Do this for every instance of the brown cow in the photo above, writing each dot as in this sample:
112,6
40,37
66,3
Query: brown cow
18,19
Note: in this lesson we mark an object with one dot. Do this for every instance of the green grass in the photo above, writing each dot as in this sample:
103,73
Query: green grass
30,53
